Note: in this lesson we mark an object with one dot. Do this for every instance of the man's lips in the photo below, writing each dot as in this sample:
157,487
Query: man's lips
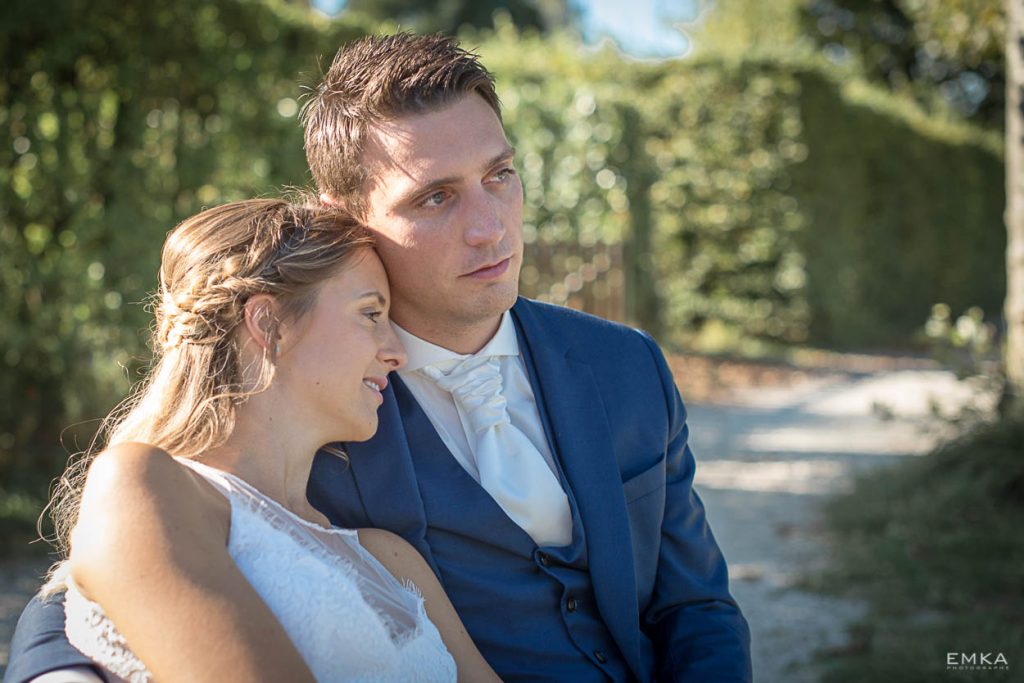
490,271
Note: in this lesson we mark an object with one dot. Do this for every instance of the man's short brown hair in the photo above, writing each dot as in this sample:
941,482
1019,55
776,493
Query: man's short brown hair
375,79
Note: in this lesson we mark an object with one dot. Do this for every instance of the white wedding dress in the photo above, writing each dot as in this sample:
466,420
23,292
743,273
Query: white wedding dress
346,614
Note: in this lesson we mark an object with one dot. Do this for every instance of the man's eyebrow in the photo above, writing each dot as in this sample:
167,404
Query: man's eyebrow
506,153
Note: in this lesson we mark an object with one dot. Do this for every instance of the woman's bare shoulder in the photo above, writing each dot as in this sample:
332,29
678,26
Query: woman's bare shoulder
384,541
132,463
136,491
124,471
394,552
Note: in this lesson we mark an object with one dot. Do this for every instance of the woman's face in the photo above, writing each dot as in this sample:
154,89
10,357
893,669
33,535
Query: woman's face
335,359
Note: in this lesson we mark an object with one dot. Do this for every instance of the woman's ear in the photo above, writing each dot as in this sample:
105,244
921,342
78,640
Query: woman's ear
261,322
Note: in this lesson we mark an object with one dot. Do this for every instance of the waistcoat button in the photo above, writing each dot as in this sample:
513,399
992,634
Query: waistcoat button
571,605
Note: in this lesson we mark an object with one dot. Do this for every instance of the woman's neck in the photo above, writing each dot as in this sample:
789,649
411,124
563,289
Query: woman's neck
271,450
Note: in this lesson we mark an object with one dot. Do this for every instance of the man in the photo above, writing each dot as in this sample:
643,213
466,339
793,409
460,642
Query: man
537,457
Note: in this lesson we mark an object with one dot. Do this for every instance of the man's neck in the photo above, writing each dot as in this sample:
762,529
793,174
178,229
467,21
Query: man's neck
464,339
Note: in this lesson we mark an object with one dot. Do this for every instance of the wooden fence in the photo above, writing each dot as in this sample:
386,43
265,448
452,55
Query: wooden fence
585,276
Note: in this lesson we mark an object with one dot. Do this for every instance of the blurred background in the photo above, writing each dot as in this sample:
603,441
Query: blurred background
803,200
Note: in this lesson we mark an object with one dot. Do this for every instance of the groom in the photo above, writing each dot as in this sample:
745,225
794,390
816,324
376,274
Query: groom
537,457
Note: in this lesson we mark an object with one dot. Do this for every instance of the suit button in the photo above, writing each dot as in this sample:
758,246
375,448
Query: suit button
543,559
599,656
571,605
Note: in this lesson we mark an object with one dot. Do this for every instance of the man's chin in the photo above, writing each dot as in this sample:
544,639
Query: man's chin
496,300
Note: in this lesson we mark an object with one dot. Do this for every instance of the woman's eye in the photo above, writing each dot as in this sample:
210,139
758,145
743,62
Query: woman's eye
375,316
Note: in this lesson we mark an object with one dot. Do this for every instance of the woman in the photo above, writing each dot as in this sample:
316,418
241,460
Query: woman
271,340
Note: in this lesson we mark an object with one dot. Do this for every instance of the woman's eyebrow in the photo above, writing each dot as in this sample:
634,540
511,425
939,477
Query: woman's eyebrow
374,294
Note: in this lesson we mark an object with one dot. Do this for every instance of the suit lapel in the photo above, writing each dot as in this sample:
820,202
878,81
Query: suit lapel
578,428
385,478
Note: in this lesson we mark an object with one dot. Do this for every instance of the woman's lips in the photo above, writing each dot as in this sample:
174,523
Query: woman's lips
491,272
376,385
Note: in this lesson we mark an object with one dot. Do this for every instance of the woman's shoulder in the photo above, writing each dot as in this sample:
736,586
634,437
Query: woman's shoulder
384,544
123,473
129,468
396,554
135,491
132,463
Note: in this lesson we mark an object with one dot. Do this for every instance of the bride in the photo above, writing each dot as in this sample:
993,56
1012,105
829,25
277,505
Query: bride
271,339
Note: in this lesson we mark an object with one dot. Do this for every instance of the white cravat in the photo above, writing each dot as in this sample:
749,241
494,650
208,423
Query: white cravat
510,467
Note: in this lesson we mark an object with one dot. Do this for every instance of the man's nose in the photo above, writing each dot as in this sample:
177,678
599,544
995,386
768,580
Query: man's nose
484,220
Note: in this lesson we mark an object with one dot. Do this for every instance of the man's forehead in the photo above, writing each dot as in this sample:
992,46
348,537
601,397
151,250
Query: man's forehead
396,141
393,156
419,147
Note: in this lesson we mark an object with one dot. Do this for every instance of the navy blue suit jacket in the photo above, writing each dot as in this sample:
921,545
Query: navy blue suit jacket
616,420
612,411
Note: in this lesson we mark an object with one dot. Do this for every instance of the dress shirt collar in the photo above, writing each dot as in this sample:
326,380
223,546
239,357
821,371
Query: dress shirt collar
422,353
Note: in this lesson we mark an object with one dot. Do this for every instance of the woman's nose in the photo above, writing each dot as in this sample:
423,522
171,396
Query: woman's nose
391,351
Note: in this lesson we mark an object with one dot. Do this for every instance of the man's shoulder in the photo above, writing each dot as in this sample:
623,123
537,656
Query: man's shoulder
615,350
578,326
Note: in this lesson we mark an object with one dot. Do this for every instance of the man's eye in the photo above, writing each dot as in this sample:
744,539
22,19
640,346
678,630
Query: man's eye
505,174
435,199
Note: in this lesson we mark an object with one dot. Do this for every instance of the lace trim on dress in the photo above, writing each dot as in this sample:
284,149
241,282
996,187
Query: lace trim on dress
398,604
91,631
208,472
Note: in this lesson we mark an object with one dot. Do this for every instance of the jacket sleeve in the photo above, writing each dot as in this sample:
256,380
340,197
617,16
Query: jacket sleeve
698,631
39,643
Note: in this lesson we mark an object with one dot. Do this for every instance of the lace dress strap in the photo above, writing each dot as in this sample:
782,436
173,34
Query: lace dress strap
232,485
398,605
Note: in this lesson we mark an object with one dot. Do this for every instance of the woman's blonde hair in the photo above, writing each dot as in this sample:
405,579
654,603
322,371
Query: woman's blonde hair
211,264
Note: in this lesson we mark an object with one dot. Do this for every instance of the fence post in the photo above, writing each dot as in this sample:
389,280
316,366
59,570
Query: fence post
641,298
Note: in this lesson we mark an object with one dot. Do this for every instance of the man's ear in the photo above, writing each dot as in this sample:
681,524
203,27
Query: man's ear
261,322
330,201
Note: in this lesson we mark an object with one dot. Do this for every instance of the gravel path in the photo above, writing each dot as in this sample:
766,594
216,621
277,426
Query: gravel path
767,457
766,460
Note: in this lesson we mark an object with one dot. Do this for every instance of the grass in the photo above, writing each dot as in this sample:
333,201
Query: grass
936,548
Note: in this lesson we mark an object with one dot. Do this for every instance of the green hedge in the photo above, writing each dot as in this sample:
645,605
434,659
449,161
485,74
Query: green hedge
122,120
903,212
757,199
771,199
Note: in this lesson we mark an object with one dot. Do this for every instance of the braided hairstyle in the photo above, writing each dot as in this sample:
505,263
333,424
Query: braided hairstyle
211,265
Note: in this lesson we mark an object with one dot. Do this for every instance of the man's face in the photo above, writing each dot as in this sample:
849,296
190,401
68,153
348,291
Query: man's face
446,204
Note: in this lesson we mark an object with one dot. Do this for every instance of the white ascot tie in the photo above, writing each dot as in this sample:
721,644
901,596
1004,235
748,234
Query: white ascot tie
511,468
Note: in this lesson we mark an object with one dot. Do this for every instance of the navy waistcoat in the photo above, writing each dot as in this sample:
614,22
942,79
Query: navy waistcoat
507,585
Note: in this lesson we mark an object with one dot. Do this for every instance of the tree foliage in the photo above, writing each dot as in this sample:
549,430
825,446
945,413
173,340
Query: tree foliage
119,121
448,16
784,199
1015,209
948,49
